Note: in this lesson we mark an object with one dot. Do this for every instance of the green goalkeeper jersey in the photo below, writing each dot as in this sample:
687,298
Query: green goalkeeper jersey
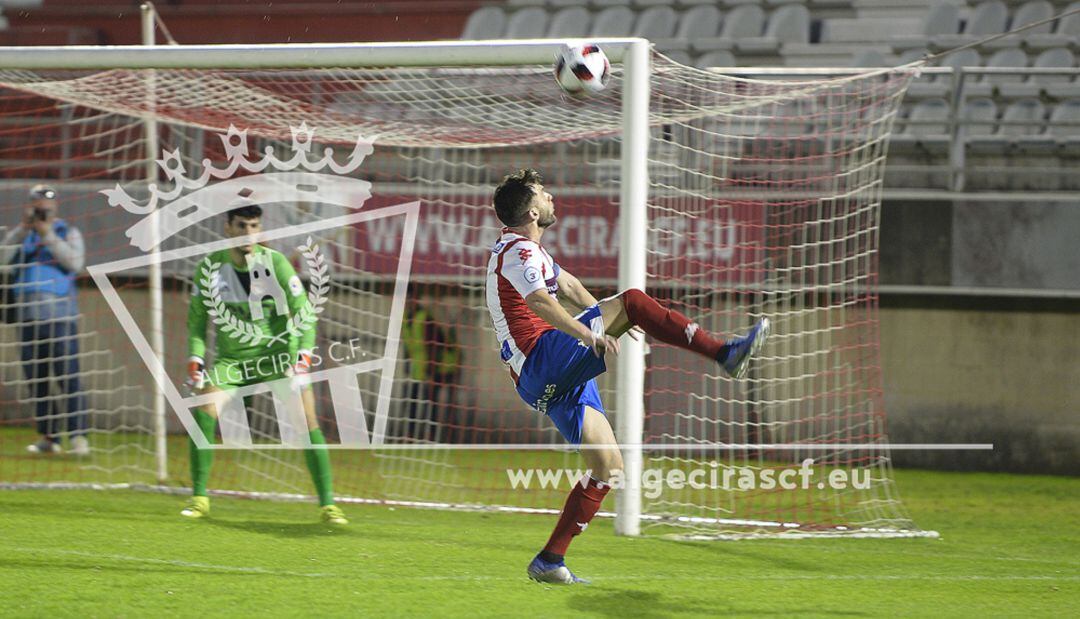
266,281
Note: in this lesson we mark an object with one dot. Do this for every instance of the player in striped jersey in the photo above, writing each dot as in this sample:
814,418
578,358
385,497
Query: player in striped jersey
554,357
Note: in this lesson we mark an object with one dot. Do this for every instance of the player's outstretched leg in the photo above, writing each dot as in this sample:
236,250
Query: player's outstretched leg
317,459
635,308
584,501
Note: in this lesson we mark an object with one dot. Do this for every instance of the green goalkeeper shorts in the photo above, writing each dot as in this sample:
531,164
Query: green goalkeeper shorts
228,373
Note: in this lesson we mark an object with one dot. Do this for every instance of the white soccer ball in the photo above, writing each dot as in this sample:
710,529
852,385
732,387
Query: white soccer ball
582,70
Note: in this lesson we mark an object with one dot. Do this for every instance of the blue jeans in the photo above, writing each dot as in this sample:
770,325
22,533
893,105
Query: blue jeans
50,350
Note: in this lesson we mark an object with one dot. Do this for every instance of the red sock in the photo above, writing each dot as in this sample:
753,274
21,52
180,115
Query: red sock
582,504
668,326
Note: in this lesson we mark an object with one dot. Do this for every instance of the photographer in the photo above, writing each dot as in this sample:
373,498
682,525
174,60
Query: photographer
46,253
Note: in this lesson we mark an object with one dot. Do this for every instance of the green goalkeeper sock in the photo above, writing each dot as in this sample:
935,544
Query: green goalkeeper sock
201,458
318,462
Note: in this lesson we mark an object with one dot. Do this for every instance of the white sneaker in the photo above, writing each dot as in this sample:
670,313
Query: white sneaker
44,446
80,446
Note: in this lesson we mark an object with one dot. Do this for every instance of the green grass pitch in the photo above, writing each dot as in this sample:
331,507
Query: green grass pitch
1009,547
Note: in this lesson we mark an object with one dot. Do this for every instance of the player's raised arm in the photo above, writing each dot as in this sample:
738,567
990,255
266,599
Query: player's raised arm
573,291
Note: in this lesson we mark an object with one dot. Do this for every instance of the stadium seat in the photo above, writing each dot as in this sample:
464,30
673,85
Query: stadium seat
700,22
941,19
978,120
715,58
987,18
679,56
940,85
744,20
572,21
911,55
867,29
616,21
926,127
979,116
990,17
1009,58
869,58
1064,124
1060,86
1064,129
787,24
1029,138
1066,33
527,23
929,118
1031,12
488,22
1031,115
1028,13
658,25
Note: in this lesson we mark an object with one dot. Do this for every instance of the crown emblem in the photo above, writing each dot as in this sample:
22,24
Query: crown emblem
270,181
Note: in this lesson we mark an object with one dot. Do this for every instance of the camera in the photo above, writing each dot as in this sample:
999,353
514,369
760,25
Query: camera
41,214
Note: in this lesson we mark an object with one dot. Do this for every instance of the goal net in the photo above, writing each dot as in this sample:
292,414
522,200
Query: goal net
763,200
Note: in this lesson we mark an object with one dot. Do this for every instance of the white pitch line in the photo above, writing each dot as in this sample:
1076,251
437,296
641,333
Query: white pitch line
240,569
780,577
655,447
643,577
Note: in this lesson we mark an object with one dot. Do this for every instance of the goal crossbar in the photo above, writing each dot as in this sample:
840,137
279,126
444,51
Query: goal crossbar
299,55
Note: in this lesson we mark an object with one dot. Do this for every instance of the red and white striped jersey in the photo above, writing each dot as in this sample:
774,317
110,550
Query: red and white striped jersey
518,267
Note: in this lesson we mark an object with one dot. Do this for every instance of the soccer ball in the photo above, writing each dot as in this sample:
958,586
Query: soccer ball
582,70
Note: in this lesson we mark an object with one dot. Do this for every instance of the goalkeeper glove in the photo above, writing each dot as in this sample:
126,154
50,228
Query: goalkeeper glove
196,373
300,369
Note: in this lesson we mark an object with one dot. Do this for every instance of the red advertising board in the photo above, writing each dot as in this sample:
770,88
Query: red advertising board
453,239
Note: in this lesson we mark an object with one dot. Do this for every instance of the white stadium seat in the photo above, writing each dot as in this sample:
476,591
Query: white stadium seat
716,58
570,22
700,22
485,23
746,20
658,25
1067,31
941,19
1009,58
616,21
979,116
987,18
869,58
929,118
787,24
1028,13
527,23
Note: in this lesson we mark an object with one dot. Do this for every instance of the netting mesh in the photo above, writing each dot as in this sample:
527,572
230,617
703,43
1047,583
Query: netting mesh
764,200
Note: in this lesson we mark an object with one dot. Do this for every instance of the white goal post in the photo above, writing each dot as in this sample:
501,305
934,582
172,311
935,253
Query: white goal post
735,197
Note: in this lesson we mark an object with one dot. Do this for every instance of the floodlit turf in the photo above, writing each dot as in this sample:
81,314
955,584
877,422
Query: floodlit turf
1009,547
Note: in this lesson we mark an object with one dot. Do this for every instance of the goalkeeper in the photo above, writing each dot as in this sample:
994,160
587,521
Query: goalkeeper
237,364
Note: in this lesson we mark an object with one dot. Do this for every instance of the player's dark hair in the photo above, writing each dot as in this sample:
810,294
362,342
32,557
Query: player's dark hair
514,194
249,211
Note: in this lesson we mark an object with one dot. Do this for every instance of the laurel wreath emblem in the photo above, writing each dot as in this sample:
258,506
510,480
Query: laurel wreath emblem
248,333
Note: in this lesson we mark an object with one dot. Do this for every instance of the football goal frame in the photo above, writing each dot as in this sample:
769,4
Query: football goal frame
632,53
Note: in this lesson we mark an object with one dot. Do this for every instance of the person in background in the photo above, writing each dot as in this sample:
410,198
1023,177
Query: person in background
46,254
434,371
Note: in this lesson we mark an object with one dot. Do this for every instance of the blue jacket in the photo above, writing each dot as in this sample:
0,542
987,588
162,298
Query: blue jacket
40,271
